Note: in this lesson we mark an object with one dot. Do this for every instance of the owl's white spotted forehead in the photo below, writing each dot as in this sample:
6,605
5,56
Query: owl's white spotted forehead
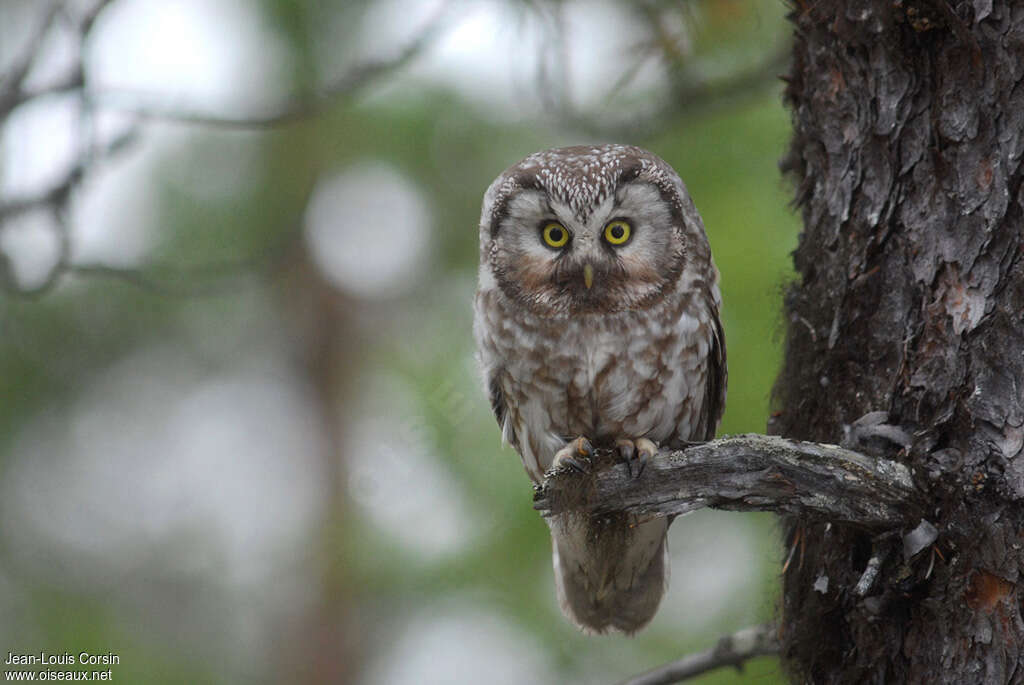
582,177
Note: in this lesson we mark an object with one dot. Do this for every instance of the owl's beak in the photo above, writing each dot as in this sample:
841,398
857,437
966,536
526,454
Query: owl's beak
588,275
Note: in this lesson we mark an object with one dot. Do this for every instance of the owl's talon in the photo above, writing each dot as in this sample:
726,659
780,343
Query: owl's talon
636,454
576,455
627,452
645,451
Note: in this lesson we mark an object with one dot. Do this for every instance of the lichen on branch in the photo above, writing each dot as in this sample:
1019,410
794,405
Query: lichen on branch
746,473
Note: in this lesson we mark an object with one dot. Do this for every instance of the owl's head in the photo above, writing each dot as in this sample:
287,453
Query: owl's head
589,229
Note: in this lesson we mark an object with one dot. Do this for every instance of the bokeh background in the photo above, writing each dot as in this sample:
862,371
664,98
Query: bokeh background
242,437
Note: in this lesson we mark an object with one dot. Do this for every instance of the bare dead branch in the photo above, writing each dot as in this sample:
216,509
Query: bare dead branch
349,83
11,83
732,650
199,280
68,83
54,200
176,281
167,280
88,18
59,193
685,100
747,473
707,95
186,281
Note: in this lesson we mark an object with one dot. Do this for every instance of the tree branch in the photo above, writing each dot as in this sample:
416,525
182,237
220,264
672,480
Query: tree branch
355,78
731,650
58,193
55,198
746,473
11,83
686,99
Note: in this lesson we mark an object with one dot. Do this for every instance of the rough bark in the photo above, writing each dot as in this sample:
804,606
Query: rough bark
909,128
746,473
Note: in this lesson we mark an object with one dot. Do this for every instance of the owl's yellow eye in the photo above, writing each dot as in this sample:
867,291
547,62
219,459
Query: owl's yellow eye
617,232
555,234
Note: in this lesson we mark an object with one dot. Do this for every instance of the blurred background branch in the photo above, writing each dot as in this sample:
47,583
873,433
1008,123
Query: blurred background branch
356,77
732,650
13,91
666,28
141,108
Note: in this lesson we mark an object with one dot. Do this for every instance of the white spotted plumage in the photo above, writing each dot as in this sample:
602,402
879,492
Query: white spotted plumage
640,355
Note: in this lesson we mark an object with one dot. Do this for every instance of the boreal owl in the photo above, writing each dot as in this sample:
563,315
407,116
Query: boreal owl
597,326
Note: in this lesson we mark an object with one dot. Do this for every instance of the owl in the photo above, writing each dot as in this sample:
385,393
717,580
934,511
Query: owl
596,323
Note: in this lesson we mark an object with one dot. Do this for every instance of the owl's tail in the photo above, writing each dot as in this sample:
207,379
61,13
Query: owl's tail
610,572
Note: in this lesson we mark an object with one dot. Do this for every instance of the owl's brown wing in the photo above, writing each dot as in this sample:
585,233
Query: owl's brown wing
500,408
718,376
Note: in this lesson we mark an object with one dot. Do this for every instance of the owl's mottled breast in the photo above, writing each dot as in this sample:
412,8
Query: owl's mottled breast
634,373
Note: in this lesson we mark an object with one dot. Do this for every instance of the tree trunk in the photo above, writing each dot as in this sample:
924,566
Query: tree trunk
909,128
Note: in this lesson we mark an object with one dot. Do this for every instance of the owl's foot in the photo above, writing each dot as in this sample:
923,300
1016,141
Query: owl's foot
636,454
574,454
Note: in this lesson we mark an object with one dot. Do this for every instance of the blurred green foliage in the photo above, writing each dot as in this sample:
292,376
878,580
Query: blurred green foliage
52,347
